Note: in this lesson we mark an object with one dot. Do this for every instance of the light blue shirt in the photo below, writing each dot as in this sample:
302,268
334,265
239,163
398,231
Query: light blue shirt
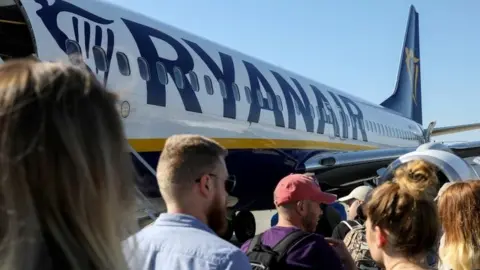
178,241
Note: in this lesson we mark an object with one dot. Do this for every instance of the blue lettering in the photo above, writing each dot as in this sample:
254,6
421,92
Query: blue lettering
303,106
256,77
156,92
321,100
227,75
357,118
342,115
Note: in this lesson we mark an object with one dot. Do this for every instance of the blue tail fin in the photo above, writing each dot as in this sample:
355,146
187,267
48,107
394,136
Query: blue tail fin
407,97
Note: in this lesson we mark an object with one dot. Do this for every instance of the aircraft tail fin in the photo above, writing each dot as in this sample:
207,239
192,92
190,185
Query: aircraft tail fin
407,97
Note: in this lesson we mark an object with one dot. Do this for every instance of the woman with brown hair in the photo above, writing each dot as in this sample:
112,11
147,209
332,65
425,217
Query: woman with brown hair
66,190
459,210
402,222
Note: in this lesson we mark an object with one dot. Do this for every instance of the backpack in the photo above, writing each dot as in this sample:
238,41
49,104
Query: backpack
270,258
356,243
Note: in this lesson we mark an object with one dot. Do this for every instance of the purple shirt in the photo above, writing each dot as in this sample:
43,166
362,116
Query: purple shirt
312,252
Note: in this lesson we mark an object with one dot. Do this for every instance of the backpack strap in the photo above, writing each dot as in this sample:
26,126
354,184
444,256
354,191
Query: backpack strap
256,240
288,241
346,222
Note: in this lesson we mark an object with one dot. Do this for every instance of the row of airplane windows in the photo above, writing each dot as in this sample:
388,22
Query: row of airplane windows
100,59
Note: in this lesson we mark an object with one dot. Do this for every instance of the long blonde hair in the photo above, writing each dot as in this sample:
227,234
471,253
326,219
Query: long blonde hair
459,208
66,190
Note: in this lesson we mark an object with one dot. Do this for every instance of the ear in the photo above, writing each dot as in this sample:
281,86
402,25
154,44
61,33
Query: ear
302,206
380,237
204,185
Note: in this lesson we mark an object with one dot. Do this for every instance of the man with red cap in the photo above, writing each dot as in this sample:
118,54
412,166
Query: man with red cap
293,241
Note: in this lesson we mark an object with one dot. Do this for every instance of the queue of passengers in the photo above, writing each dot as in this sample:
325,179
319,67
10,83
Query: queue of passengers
67,197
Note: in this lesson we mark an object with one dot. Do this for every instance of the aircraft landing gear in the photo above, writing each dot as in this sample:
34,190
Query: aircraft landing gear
243,224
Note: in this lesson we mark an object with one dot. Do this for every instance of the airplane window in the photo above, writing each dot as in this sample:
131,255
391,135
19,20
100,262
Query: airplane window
208,84
178,76
312,112
248,94
74,52
384,133
279,103
100,58
375,125
223,88
162,73
143,68
236,92
123,64
259,97
72,47
194,80
269,101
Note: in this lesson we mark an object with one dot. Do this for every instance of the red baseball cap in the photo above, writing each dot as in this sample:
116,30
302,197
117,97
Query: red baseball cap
297,187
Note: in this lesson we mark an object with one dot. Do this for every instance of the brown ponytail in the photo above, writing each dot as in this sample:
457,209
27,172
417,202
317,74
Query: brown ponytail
404,208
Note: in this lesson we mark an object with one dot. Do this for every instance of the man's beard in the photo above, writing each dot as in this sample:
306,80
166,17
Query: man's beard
217,216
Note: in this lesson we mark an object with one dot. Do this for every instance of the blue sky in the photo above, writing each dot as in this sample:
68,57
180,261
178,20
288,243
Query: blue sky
350,45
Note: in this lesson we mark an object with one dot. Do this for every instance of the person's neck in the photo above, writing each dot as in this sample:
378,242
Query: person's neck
399,263
175,209
283,222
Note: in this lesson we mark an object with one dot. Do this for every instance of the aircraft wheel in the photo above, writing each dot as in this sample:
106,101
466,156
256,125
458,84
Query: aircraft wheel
244,226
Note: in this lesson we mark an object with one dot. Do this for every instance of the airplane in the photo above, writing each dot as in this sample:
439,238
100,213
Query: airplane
273,121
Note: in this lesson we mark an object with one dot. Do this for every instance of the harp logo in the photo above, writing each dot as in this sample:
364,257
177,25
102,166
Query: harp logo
98,39
413,69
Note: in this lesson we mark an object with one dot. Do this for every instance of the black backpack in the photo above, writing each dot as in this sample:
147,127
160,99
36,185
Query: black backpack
270,258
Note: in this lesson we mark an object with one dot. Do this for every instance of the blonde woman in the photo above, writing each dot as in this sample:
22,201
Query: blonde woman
459,209
66,194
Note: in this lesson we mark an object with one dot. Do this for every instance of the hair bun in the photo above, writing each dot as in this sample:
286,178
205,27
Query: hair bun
417,177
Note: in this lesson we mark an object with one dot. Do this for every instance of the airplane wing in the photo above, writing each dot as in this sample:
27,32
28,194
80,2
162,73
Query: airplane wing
454,129
340,169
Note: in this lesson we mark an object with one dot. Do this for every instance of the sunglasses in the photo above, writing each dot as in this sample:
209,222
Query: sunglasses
230,182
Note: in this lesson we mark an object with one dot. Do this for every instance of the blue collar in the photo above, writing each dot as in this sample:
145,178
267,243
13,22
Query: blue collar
182,220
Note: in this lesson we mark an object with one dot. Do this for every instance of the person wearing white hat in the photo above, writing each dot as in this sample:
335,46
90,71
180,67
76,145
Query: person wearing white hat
355,215
354,199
